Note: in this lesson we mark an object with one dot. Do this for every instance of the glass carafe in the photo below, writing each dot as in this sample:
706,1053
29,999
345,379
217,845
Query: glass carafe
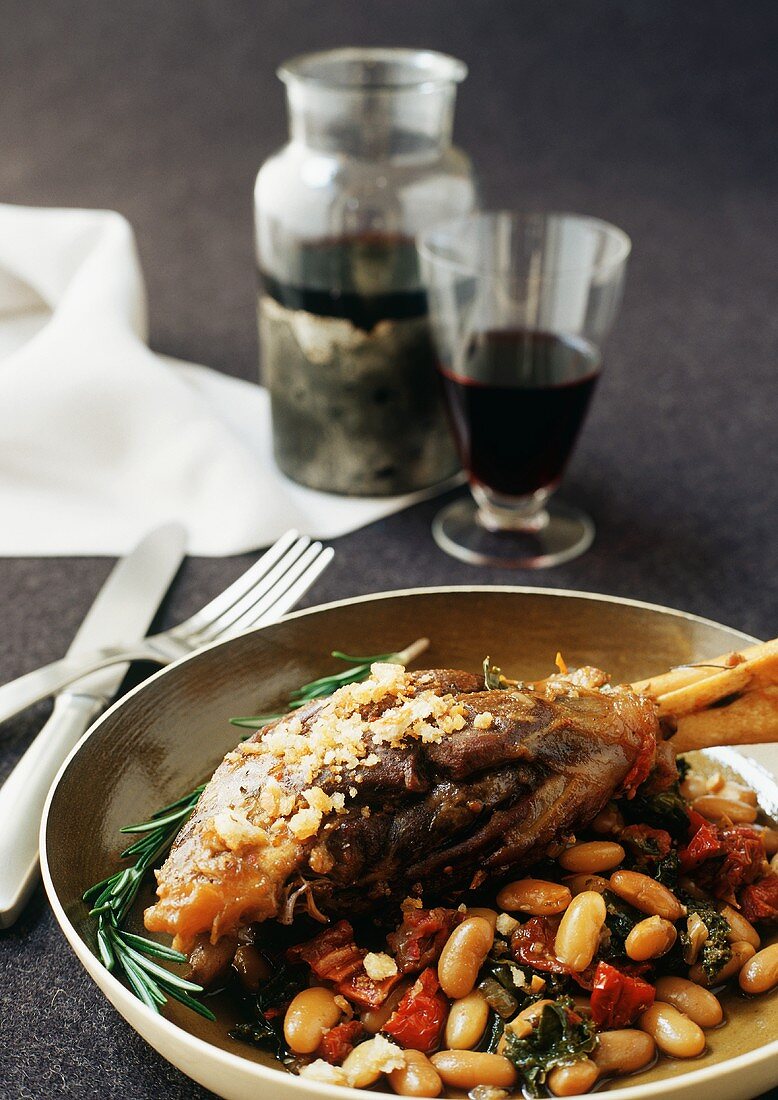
344,333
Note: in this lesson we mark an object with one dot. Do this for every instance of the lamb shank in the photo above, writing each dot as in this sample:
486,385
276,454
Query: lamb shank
405,784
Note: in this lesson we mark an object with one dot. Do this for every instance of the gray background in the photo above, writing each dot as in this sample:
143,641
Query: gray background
656,115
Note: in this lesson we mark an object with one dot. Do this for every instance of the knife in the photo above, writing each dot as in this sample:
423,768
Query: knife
123,610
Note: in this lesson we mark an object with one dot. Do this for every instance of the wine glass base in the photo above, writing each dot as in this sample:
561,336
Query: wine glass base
567,534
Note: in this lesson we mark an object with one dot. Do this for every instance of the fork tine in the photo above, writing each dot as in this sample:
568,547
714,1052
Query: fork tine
266,584
263,601
286,600
245,582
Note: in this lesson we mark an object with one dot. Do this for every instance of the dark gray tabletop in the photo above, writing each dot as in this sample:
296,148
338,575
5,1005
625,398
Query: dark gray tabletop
655,115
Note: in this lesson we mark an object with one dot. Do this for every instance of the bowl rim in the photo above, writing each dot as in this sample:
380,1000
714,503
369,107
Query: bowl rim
129,1005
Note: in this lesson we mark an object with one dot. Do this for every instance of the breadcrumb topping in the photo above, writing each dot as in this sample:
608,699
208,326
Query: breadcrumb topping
339,738
379,965
231,829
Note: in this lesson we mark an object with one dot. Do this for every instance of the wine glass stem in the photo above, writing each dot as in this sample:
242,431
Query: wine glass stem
497,512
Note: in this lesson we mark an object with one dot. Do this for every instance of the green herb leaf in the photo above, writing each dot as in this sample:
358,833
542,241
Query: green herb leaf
325,685
493,677
560,1037
111,898
716,950
666,810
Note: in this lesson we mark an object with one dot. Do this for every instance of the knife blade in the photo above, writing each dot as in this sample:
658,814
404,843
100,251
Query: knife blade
122,611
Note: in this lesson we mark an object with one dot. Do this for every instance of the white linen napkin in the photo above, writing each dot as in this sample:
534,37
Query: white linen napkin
100,438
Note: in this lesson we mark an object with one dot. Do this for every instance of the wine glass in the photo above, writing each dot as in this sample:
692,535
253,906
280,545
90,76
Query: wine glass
520,305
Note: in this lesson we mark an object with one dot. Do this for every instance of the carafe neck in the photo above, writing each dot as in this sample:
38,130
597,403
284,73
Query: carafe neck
373,105
402,125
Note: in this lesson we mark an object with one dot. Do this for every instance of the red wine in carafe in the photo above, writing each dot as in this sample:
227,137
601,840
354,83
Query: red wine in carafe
517,402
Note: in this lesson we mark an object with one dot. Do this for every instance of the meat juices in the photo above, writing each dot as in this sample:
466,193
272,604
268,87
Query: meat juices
406,779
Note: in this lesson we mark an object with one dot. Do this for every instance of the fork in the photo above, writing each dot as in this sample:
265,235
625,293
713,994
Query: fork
271,587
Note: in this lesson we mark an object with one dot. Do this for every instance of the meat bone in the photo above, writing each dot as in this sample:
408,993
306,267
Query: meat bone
729,700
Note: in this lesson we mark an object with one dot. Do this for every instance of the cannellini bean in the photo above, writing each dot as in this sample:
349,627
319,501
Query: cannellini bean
625,1050
646,895
650,939
609,821
487,914
360,1065
464,1069
418,1077
673,1033
738,793
312,1012
463,956
715,808
592,856
573,1080
576,884
373,1019
466,1021
740,929
578,934
692,1000
251,967
534,896
741,953
760,972
694,786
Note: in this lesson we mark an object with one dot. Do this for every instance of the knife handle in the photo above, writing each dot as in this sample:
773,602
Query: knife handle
21,693
23,795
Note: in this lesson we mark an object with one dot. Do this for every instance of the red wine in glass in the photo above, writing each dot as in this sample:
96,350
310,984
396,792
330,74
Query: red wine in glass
517,402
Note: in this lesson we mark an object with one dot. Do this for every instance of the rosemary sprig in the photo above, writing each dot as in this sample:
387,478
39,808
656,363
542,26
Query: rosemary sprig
110,901
325,685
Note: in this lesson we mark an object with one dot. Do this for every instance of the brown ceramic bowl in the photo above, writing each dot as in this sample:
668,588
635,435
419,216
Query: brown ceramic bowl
169,734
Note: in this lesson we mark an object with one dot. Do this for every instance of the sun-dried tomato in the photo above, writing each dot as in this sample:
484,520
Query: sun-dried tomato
618,998
420,938
646,845
703,843
532,944
365,991
744,857
417,1022
332,955
339,1042
759,900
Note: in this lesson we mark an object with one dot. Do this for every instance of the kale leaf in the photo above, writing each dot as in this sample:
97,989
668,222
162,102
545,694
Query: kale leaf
261,1032
666,870
620,919
665,810
277,991
561,1037
716,950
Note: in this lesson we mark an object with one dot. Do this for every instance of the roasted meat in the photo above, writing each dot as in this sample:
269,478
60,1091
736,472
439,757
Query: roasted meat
409,783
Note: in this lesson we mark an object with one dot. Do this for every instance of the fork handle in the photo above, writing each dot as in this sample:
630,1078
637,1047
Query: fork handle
48,680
